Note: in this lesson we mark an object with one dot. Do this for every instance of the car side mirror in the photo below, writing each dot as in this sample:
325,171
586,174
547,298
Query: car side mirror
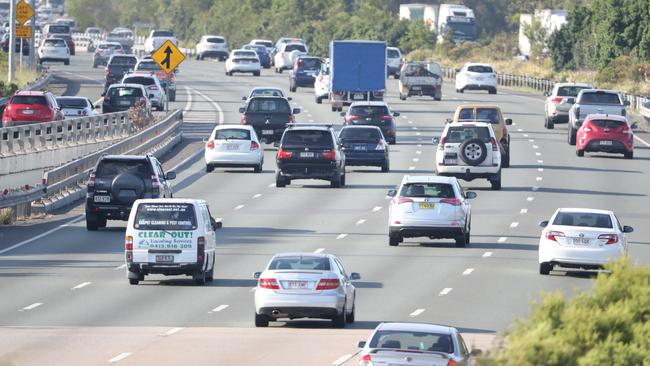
151,96
508,121
242,110
103,94
391,193
543,223
628,229
355,276
571,100
634,126
170,176
361,344
276,144
96,106
244,98
626,103
476,352
342,114
395,114
216,224
470,195
256,275
547,94
448,120
289,98
435,140
296,111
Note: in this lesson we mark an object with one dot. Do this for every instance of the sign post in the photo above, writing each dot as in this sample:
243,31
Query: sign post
168,57
23,13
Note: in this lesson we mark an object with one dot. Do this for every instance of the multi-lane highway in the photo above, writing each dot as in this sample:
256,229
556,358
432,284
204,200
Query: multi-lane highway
66,296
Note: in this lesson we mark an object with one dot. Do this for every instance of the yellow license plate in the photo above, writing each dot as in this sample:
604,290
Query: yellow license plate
426,205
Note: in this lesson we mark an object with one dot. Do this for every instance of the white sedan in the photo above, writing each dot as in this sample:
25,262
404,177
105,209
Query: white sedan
234,146
74,107
54,50
581,238
243,61
305,285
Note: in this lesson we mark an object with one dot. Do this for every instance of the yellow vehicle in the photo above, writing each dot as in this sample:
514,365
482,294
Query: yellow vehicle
491,114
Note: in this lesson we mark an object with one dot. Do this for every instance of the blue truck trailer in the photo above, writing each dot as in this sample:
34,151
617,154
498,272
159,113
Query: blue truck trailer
357,72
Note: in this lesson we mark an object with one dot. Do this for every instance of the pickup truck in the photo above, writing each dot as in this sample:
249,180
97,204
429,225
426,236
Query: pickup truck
157,38
593,101
123,37
420,78
117,67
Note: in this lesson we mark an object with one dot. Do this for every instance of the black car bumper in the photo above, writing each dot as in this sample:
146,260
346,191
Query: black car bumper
294,312
425,231
324,171
165,269
616,147
107,211
430,90
365,158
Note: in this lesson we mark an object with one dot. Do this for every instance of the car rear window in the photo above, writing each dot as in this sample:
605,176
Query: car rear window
54,42
583,219
59,29
165,216
570,91
368,110
311,138
308,263
111,168
72,102
600,98
264,43
215,40
163,33
267,93
365,134
309,63
233,134
460,134
480,69
434,190
29,99
269,105
127,61
391,53
245,54
124,92
425,70
139,80
417,341
148,66
608,123
295,47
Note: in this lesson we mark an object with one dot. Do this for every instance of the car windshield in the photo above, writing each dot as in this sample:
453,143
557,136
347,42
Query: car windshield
108,169
480,69
309,63
434,190
233,134
54,43
268,105
407,340
583,219
458,134
29,99
304,263
426,70
369,110
311,138
363,134
487,114
607,123
215,40
125,92
266,93
570,91
600,98
163,33
72,102
165,216
295,47
139,80
392,53
59,29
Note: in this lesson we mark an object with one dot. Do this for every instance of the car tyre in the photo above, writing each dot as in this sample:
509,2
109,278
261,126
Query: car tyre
335,182
172,96
292,88
385,167
94,66
209,168
319,100
334,109
210,275
133,281
258,168
496,182
261,320
66,62
393,241
629,155
548,124
461,240
256,73
505,163
493,91
340,319
572,135
402,96
101,222
92,225
350,318
280,181
545,268
200,277
580,153
343,178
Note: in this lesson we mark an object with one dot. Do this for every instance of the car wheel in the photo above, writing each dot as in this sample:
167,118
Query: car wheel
393,241
292,88
256,73
160,108
385,167
402,96
92,225
505,163
572,135
200,277
548,124
261,320
209,277
461,90
66,62
94,66
101,222
350,318
496,184
629,155
461,240
493,91
340,319
468,236
133,281
437,99
319,100
172,96
580,153
473,152
258,168
209,168
335,181
280,182
334,109
545,268
343,179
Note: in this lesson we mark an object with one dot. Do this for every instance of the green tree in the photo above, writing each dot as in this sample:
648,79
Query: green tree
537,37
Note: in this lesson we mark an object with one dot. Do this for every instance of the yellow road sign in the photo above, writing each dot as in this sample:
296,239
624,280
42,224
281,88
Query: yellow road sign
24,12
23,31
168,56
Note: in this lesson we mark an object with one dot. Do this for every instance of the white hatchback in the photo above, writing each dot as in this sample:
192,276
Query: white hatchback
151,83
243,61
75,107
476,77
233,146
54,50
581,238
429,206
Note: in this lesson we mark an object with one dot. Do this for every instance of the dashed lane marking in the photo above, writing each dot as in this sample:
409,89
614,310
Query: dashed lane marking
535,147
341,236
468,271
343,359
487,254
418,152
271,185
239,207
445,291
258,195
120,267
416,313
523,211
411,168
514,225
502,239
24,242
539,179
218,308
415,160
119,357
538,153
171,332
31,307
540,169
377,208
319,250
360,222
81,285
530,199
540,161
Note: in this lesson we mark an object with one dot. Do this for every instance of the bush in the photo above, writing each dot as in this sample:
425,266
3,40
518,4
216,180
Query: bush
6,216
608,326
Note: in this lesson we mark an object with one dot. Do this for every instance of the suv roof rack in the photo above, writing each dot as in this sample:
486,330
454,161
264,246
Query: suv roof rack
309,124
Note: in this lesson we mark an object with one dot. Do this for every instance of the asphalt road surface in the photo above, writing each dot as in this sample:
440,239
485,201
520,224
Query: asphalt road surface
66,296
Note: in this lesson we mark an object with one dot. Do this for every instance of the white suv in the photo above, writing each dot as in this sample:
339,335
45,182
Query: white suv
150,82
394,61
429,206
469,150
212,46
476,77
286,55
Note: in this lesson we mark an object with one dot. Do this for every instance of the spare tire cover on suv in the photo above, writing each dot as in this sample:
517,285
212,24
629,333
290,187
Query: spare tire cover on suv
127,187
473,152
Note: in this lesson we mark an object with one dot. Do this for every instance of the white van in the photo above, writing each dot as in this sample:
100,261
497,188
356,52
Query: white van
170,236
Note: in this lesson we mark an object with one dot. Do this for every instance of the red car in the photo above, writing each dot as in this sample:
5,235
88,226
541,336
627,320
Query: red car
605,133
31,107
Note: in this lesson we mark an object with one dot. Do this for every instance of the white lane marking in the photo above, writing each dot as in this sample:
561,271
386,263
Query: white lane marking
214,104
24,242
377,208
523,211
514,225
416,313
502,239
540,169
530,199
539,179
404,117
540,161
411,168
411,122
171,332
519,130
417,134
534,188
468,271
238,207
32,306
415,128
360,222
445,291
343,359
119,357
538,154
641,140
258,195
218,308
419,145
535,147
341,236
120,267
271,185
319,250
418,152
81,285
487,254
188,104
415,160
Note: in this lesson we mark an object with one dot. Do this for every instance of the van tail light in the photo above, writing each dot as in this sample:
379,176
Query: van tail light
557,100
291,118
328,284
91,180
577,112
401,200
365,360
200,249
553,235
210,144
627,130
243,119
452,201
331,154
283,154
128,243
254,146
268,283
611,238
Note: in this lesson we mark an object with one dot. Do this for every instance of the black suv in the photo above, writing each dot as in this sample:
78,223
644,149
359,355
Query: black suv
269,116
117,181
310,152
372,114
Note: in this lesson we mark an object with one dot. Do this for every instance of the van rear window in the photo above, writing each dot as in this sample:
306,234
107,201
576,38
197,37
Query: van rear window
165,216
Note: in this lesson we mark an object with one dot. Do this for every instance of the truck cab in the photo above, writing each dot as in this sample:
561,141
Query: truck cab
457,22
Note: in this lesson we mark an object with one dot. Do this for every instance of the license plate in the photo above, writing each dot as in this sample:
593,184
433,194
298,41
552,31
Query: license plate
28,111
125,102
427,205
580,241
450,161
267,132
164,259
232,147
606,142
296,284
306,154
358,96
359,148
416,88
102,199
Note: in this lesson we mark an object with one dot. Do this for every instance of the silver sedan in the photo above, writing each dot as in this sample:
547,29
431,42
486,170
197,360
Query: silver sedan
305,285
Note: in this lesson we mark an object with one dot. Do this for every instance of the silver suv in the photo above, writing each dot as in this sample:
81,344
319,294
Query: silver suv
559,101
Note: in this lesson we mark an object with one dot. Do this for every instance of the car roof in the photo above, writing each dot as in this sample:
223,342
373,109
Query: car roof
170,200
585,210
302,254
266,88
70,97
232,126
613,117
427,179
110,43
269,97
417,327
30,92
573,84
477,64
599,91
125,157
128,85
357,104
213,36
347,127
309,126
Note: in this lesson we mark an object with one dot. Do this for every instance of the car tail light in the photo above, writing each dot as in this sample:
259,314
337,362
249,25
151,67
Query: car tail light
254,145
106,69
452,201
200,249
587,129
328,284
128,243
91,180
557,100
152,87
352,117
381,145
578,112
365,360
493,141
283,154
611,238
553,235
441,144
210,144
452,363
626,130
378,94
155,185
401,200
291,118
268,283
331,154
386,117
243,119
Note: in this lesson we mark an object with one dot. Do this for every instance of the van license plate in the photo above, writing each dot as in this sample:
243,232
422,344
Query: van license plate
427,205
102,199
267,132
306,154
164,259
606,142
